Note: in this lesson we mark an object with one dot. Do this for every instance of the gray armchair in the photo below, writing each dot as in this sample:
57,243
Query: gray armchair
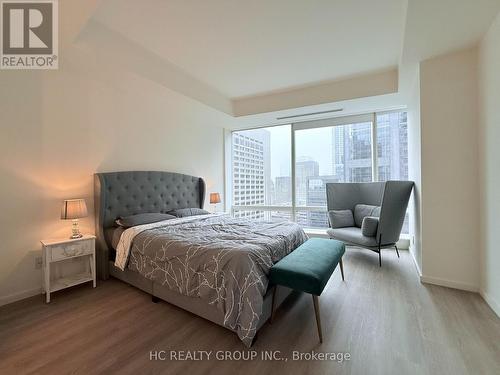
369,215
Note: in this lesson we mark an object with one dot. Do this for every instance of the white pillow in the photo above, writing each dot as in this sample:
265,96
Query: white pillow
362,210
369,226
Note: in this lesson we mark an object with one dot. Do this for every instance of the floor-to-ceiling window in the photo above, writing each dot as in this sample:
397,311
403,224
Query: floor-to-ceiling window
328,153
280,172
392,149
261,172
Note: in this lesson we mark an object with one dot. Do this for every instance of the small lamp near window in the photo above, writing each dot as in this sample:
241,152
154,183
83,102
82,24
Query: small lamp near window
214,199
74,209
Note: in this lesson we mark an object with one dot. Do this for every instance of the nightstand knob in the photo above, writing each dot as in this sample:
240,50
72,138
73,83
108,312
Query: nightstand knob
70,251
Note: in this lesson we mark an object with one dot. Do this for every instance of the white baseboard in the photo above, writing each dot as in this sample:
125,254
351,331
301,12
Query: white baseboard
448,283
4,300
419,271
495,306
403,243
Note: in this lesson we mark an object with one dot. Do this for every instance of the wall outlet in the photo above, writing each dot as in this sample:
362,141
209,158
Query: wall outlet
38,262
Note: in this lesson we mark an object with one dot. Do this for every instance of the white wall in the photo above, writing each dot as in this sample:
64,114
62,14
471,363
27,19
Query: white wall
449,164
414,166
59,127
489,101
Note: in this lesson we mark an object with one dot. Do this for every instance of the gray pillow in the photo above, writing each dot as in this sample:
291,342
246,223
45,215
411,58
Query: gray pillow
139,219
341,218
369,226
183,212
363,210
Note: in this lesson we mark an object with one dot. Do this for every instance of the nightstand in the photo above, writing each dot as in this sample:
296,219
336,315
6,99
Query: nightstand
55,251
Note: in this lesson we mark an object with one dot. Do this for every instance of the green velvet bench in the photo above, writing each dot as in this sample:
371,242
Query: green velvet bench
307,269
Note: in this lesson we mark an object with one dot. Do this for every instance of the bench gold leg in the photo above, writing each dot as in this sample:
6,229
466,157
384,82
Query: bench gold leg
318,318
342,269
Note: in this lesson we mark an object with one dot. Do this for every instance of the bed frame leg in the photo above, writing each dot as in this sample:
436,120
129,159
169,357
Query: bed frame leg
155,299
272,303
254,339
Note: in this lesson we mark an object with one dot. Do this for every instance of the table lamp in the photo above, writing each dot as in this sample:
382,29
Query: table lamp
73,209
214,199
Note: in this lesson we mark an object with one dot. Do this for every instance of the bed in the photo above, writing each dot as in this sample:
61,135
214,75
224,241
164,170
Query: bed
212,265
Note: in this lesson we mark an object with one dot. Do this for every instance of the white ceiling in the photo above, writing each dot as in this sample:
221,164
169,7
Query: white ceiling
435,27
244,48
227,52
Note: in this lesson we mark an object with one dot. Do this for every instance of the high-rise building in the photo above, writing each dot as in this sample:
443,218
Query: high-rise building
303,170
338,152
392,149
316,197
392,146
351,153
282,191
251,171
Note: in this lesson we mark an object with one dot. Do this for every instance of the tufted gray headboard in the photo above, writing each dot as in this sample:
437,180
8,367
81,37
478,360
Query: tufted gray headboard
129,193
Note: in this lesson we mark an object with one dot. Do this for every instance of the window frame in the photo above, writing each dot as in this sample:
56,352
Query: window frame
370,117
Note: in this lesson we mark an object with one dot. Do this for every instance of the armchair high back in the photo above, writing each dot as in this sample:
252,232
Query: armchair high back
372,213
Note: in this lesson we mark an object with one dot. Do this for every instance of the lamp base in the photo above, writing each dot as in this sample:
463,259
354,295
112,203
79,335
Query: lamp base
75,230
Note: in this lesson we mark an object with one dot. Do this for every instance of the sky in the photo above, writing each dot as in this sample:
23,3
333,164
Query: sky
313,144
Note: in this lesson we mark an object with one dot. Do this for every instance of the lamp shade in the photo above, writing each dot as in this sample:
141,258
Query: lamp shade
73,209
214,198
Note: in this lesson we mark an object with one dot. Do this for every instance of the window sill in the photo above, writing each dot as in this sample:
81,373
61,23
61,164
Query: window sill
316,232
403,243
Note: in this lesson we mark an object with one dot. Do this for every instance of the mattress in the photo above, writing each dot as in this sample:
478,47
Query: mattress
112,236
222,260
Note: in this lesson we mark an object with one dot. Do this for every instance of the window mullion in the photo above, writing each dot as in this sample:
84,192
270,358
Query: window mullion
374,148
292,170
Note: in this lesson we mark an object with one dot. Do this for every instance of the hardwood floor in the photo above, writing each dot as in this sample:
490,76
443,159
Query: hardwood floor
384,318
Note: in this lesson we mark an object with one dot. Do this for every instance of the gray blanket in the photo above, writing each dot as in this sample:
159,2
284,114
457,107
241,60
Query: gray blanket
221,259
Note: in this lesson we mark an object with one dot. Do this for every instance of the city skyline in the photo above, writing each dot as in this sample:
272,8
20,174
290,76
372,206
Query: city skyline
328,154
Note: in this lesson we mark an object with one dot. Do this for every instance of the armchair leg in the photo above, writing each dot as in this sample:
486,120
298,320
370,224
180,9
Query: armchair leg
397,251
342,268
379,251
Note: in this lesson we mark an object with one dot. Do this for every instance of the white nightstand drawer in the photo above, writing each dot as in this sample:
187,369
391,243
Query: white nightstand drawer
75,249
